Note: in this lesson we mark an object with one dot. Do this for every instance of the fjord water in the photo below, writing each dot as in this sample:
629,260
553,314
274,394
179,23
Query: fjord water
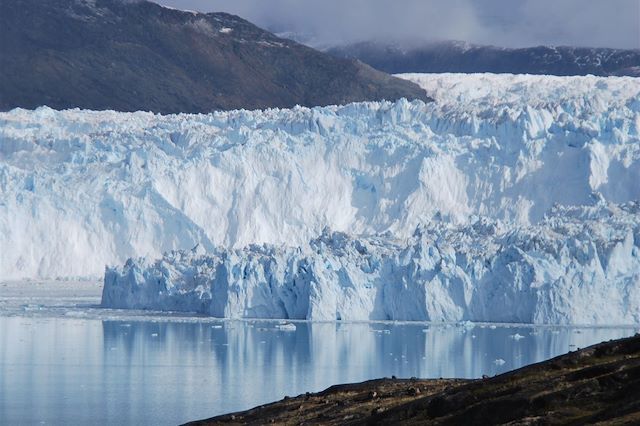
56,370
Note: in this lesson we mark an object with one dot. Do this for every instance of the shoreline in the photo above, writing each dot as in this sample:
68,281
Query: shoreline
597,384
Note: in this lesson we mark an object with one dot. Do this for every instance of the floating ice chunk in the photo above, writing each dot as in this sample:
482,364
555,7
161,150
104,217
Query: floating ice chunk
467,325
287,327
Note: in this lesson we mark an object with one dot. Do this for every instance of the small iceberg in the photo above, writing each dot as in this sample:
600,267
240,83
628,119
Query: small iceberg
286,326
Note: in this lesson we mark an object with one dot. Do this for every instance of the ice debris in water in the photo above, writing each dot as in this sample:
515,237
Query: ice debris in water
287,326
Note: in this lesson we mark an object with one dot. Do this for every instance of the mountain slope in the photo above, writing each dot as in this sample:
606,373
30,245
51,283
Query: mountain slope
596,385
137,55
459,57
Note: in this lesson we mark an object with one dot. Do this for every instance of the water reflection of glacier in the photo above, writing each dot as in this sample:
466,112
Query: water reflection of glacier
132,372
246,363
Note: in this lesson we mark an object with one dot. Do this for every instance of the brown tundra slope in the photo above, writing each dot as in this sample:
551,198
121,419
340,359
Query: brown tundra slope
596,385
131,55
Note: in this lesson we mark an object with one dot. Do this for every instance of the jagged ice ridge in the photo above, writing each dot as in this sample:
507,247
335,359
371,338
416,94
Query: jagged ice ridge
577,266
82,189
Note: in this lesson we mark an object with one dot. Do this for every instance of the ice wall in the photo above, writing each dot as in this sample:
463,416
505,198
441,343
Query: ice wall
577,266
81,189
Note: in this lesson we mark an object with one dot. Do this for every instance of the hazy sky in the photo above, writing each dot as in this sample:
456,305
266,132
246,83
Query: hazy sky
602,23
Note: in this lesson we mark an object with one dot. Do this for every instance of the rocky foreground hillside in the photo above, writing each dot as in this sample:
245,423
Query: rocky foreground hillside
596,385
137,55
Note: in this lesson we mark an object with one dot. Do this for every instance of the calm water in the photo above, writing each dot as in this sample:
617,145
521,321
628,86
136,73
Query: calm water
78,371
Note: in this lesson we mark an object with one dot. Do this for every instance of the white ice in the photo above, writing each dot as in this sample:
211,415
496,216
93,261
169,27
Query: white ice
577,266
81,189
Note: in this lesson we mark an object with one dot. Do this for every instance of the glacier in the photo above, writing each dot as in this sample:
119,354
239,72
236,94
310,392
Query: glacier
579,265
83,189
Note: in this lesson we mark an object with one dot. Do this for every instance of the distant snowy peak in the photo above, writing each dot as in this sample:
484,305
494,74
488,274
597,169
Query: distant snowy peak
581,265
461,57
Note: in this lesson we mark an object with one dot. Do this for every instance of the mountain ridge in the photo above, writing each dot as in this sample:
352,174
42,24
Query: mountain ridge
461,57
138,55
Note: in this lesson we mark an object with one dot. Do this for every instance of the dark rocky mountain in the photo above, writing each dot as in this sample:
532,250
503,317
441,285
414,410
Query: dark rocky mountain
465,58
136,55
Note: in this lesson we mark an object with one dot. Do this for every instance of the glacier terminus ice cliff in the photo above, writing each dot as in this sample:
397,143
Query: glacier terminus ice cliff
578,266
509,198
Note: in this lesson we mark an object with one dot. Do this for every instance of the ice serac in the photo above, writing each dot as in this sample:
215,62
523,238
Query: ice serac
81,189
580,265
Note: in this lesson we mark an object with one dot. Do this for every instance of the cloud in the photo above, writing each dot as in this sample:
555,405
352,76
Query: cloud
512,23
